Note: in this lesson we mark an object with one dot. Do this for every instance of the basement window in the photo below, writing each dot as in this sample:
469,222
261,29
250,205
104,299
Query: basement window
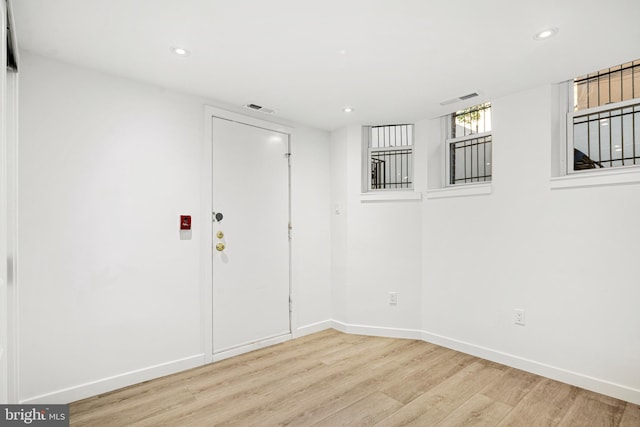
388,159
468,146
603,126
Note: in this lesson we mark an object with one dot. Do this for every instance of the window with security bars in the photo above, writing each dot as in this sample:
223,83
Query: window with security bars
604,126
468,149
390,157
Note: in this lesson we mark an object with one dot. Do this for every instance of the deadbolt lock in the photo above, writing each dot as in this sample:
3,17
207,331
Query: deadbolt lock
219,234
220,247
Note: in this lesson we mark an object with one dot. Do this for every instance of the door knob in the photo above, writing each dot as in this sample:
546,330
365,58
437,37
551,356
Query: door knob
219,234
220,247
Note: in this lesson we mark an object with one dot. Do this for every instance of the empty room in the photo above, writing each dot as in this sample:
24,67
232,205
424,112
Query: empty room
427,210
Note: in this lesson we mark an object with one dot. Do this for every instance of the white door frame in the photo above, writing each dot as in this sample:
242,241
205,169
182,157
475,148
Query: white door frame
4,301
206,236
8,204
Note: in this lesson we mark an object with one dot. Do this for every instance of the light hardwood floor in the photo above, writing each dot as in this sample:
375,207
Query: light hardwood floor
334,379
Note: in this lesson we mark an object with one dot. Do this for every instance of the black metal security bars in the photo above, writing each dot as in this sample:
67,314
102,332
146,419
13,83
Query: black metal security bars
470,160
605,122
606,139
391,169
391,156
614,84
470,145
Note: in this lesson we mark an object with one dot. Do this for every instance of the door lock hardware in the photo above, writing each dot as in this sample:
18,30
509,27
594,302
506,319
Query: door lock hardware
219,234
220,247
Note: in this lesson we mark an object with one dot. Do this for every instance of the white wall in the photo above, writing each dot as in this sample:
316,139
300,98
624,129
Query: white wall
565,256
339,235
376,249
109,293
310,217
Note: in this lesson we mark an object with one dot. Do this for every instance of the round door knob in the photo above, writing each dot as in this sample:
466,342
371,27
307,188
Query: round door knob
219,234
220,247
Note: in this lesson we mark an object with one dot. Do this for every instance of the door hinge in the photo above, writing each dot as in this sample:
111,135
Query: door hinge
289,228
290,305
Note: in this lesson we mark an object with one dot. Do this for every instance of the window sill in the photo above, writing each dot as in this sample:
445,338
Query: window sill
460,191
390,196
596,179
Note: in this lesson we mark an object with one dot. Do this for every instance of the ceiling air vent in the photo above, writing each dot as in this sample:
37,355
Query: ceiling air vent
467,96
256,107
460,98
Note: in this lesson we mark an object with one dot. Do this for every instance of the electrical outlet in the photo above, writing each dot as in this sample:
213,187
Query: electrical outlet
518,316
393,298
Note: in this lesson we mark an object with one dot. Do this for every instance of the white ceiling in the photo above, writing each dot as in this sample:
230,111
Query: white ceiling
403,57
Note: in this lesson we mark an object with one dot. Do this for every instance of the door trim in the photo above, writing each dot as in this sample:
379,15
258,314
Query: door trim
9,83
206,235
245,348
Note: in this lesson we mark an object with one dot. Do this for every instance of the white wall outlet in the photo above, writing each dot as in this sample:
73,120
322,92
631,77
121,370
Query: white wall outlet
518,316
393,298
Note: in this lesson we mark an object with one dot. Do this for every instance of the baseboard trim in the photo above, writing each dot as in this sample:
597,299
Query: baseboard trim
577,379
251,347
94,388
377,331
313,328
559,374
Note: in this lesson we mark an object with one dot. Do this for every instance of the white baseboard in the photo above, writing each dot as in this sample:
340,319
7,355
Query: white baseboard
83,391
313,328
559,374
245,348
377,331
563,375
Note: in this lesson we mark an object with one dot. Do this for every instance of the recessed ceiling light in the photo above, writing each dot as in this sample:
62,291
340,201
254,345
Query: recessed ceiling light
180,51
348,109
343,51
546,33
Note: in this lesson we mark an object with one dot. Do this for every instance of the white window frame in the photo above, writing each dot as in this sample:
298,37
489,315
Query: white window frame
566,177
367,150
447,152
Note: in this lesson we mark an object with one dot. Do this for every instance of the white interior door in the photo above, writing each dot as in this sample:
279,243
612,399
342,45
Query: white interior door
251,273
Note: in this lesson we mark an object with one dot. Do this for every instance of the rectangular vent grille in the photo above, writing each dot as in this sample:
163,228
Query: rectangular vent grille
460,98
256,107
471,95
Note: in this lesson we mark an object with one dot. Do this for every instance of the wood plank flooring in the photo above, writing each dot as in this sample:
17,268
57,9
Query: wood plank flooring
334,379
